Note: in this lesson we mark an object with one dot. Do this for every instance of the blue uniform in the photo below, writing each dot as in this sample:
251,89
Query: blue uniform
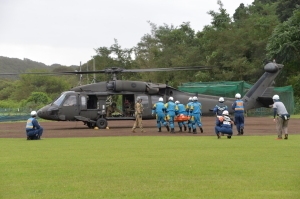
172,110
238,107
218,110
195,111
224,126
33,129
181,111
159,109
187,108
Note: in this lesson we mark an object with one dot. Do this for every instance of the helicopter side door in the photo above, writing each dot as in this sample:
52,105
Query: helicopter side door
89,106
70,107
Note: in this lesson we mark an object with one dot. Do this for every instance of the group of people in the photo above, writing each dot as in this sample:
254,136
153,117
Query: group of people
166,112
165,115
224,123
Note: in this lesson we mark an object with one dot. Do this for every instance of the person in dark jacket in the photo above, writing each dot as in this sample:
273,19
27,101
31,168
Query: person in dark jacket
33,129
224,125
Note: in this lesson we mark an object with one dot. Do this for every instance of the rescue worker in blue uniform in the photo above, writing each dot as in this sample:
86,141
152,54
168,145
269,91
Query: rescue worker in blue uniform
181,111
187,108
224,125
238,107
219,108
33,129
172,110
160,111
196,113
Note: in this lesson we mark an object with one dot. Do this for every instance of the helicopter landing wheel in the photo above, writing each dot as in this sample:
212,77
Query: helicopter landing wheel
101,123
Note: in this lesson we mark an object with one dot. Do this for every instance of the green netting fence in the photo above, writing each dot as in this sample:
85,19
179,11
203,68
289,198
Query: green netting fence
14,114
230,88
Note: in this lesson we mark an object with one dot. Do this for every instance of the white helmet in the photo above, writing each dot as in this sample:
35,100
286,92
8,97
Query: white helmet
275,97
177,102
195,98
238,96
160,99
171,98
190,98
221,99
225,112
33,113
138,99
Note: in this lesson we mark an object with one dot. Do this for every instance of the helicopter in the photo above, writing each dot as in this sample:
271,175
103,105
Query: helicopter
88,103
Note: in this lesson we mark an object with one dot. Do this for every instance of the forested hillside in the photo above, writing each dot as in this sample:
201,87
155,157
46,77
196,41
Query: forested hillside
239,45
15,65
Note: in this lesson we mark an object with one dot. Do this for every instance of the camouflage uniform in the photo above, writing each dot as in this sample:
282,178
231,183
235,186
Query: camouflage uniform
127,107
138,117
111,109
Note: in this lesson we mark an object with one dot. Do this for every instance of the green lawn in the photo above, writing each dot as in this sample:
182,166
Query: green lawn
151,167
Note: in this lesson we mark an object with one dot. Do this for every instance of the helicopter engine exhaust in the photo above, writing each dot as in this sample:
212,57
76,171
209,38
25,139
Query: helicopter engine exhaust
131,86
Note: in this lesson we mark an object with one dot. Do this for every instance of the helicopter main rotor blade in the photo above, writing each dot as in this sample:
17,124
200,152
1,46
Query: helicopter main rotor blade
114,70
171,69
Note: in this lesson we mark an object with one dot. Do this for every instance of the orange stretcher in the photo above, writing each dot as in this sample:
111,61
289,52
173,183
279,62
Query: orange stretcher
181,118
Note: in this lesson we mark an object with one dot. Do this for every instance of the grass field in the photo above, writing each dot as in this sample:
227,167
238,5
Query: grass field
151,167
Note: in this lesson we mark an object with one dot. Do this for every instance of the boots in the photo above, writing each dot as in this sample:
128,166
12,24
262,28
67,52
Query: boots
143,131
242,131
194,131
201,130
286,136
219,135
190,130
172,130
184,127
133,130
239,133
159,129
168,129
180,129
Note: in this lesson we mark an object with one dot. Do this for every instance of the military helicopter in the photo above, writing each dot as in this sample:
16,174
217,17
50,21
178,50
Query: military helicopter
88,103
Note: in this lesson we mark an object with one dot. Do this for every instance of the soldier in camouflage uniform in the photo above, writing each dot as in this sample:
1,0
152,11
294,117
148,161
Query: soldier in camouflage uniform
138,115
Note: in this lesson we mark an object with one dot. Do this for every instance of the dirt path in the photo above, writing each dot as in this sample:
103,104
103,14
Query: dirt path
253,126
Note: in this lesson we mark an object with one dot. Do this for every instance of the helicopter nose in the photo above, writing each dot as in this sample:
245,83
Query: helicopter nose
41,113
48,112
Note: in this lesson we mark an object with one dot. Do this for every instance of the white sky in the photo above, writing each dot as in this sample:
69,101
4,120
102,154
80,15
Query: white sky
67,31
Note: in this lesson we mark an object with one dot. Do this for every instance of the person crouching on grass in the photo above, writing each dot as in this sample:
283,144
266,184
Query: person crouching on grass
224,125
33,129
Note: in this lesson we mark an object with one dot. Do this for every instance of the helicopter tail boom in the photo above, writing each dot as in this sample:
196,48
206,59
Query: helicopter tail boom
260,95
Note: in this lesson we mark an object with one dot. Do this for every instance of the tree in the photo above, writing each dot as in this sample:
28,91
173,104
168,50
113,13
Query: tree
284,46
239,48
285,9
52,85
220,19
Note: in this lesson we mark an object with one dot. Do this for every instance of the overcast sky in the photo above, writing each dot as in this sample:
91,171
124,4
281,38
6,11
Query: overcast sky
67,31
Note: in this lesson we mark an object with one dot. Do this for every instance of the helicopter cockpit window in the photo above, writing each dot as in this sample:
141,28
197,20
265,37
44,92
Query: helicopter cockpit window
70,101
61,98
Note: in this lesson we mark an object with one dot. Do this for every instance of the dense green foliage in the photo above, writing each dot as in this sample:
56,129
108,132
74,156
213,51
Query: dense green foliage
239,45
138,167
